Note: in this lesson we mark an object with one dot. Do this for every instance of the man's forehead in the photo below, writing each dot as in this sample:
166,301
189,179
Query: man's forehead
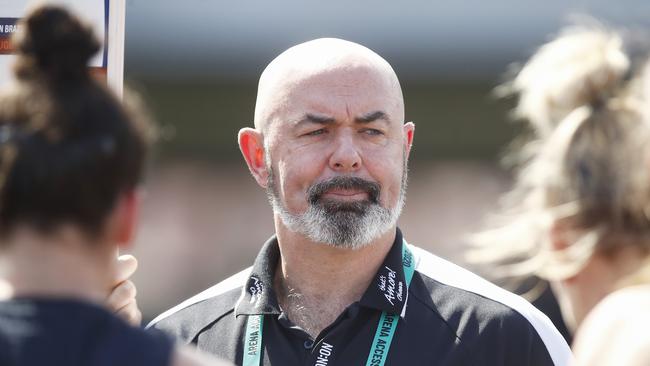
353,102
344,77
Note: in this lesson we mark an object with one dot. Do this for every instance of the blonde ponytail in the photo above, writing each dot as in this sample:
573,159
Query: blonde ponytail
586,166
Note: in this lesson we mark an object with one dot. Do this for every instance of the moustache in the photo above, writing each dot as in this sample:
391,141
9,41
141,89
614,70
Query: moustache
316,191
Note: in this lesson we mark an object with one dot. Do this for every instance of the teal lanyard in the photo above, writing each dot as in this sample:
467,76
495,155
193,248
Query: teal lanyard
380,345
253,345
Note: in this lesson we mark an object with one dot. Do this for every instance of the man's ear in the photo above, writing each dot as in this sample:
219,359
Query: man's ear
123,220
251,144
409,131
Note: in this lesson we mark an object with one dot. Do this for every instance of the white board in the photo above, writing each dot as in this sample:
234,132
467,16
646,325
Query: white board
107,19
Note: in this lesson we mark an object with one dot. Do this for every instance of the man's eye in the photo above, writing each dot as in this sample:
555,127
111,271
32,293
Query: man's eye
316,132
372,132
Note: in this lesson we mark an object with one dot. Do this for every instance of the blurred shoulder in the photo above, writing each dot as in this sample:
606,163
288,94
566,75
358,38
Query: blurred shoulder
615,331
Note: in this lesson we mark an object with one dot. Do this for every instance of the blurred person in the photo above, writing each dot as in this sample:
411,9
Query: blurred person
337,284
70,161
579,213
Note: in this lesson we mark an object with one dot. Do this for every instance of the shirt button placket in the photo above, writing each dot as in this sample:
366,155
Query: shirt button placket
308,344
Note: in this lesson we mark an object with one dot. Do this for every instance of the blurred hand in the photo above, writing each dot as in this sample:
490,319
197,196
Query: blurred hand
122,300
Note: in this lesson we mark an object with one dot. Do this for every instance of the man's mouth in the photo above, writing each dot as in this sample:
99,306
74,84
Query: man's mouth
344,189
345,194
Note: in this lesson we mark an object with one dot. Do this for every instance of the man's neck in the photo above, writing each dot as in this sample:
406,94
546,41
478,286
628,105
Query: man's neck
315,282
63,267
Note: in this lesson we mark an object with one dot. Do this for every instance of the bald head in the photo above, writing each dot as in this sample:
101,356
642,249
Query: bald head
328,66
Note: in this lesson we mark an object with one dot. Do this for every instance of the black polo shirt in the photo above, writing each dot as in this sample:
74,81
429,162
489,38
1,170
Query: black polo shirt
448,316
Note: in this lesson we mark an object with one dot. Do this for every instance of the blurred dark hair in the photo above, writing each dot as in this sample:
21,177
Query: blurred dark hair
68,147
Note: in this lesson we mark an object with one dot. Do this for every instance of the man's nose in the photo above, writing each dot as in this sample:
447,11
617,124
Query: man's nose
345,157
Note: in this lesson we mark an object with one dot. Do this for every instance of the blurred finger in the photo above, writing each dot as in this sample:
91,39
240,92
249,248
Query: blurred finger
126,266
130,313
122,295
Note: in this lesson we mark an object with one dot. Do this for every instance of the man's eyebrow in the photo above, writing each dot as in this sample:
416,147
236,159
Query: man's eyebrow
372,116
313,118
324,120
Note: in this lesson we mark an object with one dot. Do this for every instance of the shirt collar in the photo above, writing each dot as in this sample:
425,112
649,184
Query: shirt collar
258,296
387,291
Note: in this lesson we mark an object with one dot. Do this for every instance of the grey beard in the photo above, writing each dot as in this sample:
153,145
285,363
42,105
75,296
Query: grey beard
345,225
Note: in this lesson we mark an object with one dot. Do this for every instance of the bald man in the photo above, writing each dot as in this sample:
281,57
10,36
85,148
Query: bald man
338,284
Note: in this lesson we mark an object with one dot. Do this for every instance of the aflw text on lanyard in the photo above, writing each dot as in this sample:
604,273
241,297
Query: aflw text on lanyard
380,345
